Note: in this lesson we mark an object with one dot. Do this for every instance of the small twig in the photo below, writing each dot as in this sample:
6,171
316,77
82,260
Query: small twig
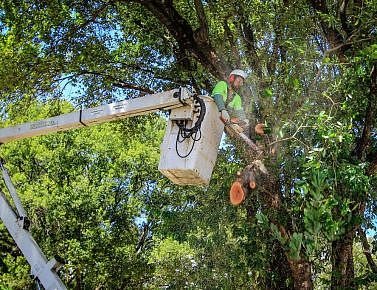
293,136
331,100
303,143
333,104
331,50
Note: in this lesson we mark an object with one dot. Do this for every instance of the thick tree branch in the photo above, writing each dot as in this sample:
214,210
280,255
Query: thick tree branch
249,40
364,141
183,33
124,85
143,237
343,17
342,275
267,193
116,82
158,75
201,34
332,35
232,43
372,168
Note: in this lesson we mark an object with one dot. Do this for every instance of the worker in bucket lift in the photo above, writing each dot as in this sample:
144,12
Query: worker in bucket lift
229,102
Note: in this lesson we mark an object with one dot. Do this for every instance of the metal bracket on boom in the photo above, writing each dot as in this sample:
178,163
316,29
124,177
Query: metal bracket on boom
182,94
18,224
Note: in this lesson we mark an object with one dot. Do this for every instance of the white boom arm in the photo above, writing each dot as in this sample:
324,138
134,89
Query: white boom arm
40,268
86,117
18,226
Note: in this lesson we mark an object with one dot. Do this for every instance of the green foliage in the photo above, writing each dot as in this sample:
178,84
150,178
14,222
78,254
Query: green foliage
17,275
365,278
295,245
173,263
94,195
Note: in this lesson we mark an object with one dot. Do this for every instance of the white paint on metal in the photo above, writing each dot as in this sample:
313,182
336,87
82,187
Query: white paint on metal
12,190
40,267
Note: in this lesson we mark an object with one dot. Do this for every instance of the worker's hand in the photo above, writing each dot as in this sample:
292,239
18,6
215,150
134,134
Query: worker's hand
225,116
259,129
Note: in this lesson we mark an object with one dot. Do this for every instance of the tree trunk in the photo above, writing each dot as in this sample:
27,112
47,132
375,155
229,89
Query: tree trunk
342,276
194,43
302,274
269,199
282,278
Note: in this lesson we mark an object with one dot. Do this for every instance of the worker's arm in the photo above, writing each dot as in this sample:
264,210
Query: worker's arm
221,106
219,102
219,94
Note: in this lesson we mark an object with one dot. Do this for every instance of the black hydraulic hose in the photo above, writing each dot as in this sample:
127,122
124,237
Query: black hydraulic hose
194,132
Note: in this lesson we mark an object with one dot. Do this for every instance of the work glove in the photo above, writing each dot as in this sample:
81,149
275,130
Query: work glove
225,116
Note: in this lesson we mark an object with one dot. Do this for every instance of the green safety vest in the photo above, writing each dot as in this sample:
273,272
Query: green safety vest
221,88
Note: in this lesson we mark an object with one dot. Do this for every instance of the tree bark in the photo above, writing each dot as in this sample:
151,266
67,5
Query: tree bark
269,198
369,120
282,278
194,43
302,274
342,276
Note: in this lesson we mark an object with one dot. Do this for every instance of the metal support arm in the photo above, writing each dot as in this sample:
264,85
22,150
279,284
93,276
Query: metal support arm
41,268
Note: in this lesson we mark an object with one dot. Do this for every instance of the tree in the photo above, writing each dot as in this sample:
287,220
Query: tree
313,81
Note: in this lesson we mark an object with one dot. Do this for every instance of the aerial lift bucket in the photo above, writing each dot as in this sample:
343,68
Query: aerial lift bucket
191,161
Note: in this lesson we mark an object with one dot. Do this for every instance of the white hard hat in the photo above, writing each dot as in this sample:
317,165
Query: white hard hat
239,72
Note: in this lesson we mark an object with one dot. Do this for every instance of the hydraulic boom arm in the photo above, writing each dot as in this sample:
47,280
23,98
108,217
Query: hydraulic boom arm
87,117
